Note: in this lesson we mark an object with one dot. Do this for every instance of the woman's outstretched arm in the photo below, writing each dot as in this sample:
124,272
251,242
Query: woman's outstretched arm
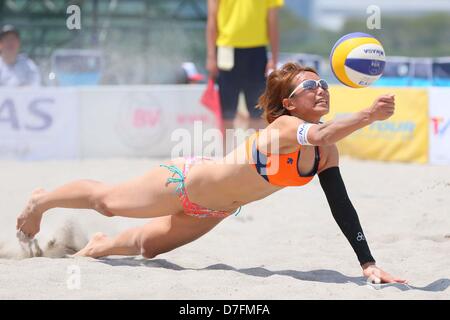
347,219
294,130
344,213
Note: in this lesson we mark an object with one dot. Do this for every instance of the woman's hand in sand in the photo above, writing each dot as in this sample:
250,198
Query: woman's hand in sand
29,221
375,275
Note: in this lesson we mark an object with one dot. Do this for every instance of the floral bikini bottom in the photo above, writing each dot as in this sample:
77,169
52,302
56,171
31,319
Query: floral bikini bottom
190,208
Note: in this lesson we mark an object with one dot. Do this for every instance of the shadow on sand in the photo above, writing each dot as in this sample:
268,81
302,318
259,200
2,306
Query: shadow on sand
324,276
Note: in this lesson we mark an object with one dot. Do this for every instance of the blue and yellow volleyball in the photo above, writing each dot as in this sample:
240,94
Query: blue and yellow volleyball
357,59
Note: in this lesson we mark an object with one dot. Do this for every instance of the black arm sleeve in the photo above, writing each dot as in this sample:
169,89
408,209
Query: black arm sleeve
344,213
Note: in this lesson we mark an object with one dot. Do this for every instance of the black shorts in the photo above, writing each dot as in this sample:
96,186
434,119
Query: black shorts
247,75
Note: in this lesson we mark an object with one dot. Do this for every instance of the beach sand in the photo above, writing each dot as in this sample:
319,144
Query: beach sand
286,246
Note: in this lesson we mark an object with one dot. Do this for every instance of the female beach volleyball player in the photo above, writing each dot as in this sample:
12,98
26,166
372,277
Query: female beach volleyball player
188,197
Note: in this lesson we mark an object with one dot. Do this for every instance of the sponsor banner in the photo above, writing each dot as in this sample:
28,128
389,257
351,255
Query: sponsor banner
38,123
403,137
439,125
143,121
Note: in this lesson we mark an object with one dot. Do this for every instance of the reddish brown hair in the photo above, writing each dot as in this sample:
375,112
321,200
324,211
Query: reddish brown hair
280,84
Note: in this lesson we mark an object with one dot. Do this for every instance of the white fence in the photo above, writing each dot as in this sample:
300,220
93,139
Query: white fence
135,121
56,123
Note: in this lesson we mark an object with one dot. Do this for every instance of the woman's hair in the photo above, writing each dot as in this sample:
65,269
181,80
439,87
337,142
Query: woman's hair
279,85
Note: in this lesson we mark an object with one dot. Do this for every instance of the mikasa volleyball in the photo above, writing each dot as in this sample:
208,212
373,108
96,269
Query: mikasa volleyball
357,59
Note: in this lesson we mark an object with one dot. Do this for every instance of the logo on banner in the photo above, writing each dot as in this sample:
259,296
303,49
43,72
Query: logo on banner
35,119
16,119
37,124
440,125
393,129
139,121
385,129
145,118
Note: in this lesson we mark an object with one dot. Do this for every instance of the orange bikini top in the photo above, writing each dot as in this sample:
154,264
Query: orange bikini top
279,169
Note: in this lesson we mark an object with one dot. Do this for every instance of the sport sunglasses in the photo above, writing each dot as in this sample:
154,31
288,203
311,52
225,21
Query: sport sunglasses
310,85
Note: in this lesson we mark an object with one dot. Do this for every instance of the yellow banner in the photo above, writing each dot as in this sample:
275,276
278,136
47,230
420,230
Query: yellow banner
403,137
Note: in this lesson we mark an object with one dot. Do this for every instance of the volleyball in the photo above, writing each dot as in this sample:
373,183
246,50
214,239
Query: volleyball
357,59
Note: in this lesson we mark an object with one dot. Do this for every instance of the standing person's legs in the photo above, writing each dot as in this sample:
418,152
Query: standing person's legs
255,83
160,235
229,88
143,197
241,120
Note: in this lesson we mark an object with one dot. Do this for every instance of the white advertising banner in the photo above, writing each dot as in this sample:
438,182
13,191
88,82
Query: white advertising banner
439,125
147,121
38,123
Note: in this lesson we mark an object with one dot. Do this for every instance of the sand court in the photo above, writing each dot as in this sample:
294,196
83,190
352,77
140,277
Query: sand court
286,246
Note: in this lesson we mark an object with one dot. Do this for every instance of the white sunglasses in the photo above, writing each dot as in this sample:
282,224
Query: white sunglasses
310,85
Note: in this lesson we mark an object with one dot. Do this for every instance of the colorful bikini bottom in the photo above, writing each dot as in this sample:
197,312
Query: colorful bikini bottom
190,208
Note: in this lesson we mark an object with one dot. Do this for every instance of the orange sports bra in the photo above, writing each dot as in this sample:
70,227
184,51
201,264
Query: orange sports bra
279,169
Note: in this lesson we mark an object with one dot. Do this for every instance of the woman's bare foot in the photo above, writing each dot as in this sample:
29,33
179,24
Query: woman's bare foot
29,221
96,247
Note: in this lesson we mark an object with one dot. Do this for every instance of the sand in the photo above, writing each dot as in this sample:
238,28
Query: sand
286,246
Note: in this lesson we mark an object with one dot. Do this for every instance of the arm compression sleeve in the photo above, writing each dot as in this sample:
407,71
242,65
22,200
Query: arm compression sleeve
344,213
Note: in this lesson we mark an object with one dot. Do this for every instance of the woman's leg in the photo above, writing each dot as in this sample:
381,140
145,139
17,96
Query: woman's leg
160,235
144,197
